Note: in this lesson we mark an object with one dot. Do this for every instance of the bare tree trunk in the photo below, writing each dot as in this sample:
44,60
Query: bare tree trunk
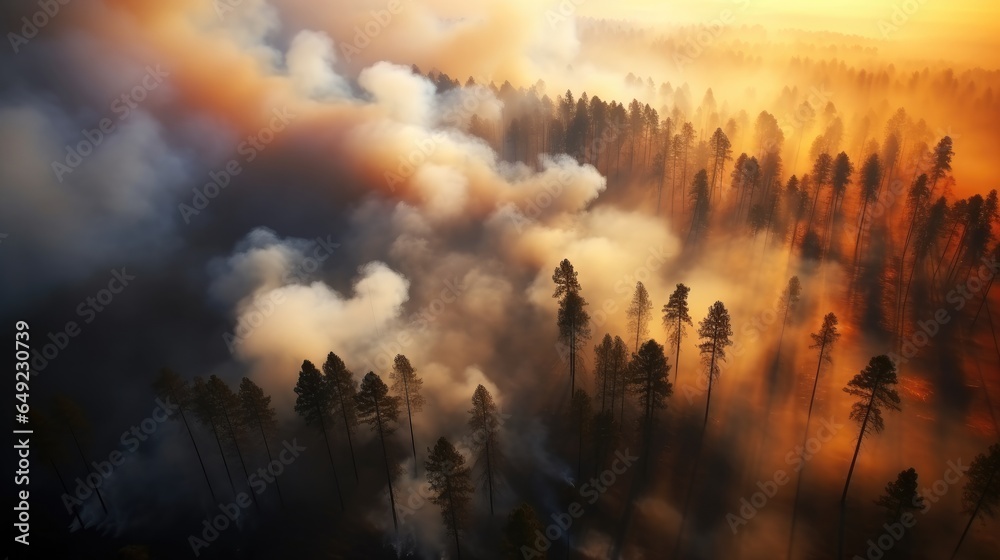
454,515
86,466
76,511
329,453
572,360
711,374
861,230
236,443
222,452
198,453
677,358
579,450
902,271
805,439
604,383
489,474
347,427
857,448
614,388
409,417
388,474
944,252
267,448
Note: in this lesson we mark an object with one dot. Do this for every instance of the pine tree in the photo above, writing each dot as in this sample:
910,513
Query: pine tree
874,387
639,311
918,204
901,496
714,331
484,421
204,406
840,178
256,410
451,483
380,410
824,340
343,387
871,176
700,195
227,403
722,152
941,161
981,495
603,374
573,320
649,381
675,314
406,384
788,303
313,404
170,387
619,367
72,417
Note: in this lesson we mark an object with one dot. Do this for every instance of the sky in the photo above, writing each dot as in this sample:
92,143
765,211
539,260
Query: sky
956,29
456,218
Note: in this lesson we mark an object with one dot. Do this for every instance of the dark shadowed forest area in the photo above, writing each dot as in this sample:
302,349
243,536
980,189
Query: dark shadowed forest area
502,279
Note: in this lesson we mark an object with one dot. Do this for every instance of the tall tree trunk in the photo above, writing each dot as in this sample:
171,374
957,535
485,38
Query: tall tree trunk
944,252
222,452
631,155
802,132
66,490
861,230
850,473
267,448
673,184
579,450
454,515
409,418
489,475
649,410
572,360
986,296
347,426
711,374
614,386
902,309
677,358
902,272
781,337
198,453
975,512
86,466
604,383
805,439
388,474
236,443
812,213
329,453
621,419
958,252
684,172
857,448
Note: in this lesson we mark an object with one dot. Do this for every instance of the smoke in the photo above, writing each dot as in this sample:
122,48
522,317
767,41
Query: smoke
310,62
376,222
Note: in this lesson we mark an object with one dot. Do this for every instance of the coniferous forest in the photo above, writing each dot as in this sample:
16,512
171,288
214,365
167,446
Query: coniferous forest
502,279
